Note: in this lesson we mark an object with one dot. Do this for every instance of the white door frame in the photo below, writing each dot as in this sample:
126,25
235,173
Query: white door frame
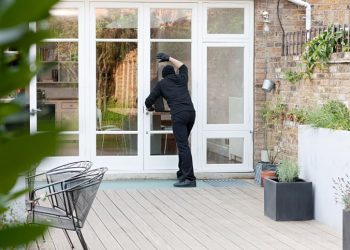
201,131
129,164
50,162
245,40
165,162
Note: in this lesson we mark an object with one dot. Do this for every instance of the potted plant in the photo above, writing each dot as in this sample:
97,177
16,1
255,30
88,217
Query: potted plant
342,195
272,115
288,198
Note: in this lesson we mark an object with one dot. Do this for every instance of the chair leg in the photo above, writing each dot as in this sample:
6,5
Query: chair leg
37,244
68,238
82,240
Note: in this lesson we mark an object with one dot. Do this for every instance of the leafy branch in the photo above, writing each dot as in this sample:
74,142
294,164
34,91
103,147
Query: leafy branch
316,54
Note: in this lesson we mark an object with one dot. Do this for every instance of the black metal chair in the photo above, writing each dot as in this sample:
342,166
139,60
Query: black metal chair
56,174
72,200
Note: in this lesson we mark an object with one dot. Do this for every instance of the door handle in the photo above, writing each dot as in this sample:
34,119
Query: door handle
34,111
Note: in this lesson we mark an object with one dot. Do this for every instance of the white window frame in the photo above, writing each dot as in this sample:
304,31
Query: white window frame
246,6
52,161
168,163
117,163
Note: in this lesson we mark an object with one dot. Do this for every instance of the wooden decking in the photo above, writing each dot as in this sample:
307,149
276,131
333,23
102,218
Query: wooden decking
196,218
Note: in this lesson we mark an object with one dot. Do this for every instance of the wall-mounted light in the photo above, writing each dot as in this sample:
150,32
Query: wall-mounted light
266,21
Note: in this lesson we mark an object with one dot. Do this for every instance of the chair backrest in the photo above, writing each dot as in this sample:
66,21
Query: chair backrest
56,176
81,192
62,174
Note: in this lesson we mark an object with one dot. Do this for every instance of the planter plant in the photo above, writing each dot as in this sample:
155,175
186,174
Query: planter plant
272,115
288,198
342,195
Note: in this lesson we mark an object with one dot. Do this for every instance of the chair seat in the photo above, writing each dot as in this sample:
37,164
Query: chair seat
51,216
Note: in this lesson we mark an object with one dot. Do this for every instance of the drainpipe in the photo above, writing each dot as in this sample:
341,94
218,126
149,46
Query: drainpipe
308,11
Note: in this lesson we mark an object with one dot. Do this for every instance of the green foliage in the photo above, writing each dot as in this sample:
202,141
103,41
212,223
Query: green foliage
19,150
319,49
287,171
272,114
342,191
298,115
293,77
316,54
332,115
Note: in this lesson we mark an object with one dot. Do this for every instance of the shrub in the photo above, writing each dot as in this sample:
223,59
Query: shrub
342,194
287,171
332,115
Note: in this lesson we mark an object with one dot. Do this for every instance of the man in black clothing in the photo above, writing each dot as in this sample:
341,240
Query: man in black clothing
173,87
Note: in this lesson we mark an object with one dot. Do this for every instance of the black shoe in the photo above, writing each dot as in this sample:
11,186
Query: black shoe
185,183
179,174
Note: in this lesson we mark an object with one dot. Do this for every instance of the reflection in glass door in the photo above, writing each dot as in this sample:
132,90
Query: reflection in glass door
116,81
58,81
170,31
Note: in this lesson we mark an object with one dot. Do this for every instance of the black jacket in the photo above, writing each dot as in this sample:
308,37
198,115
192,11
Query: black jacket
174,89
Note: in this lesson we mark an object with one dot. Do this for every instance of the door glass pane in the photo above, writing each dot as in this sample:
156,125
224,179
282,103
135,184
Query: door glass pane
163,144
225,79
171,23
108,144
180,51
69,145
116,23
63,23
161,121
225,150
116,86
225,21
57,86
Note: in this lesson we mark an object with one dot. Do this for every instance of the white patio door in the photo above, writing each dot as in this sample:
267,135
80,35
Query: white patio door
227,103
117,89
168,29
56,98
126,39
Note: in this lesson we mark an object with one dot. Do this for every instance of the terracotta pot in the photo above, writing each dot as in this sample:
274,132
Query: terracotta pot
267,174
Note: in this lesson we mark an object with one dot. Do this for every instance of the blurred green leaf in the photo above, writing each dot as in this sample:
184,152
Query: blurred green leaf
20,153
14,79
2,209
15,195
20,235
7,109
18,12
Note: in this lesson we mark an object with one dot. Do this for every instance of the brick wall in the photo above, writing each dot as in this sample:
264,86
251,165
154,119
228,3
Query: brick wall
334,84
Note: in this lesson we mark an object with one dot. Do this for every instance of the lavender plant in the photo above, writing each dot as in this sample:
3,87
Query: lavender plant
342,191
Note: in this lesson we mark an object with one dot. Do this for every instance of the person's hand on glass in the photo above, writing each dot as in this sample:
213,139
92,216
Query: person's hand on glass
163,57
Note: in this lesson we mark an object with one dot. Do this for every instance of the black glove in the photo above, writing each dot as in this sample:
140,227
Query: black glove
163,57
150,108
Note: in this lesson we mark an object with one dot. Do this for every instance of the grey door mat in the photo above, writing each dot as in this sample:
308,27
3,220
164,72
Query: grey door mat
149,184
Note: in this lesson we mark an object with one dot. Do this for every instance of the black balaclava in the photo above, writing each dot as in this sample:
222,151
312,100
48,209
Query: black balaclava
168,70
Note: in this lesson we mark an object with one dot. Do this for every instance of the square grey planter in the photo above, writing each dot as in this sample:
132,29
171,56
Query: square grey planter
288,201
346,230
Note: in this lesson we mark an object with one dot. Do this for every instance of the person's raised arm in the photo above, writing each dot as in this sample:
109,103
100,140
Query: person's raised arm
165,57
176,62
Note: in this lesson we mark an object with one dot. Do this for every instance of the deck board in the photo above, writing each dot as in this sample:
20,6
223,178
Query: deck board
195,218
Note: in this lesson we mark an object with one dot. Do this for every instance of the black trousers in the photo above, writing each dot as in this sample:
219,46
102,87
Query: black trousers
182,126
